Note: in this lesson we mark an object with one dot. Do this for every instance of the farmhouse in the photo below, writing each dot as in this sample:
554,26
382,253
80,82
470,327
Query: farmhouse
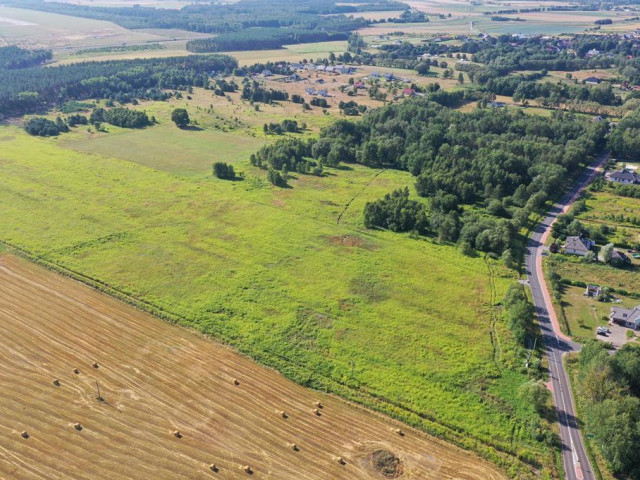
593,291
626,317
578,246
592,81
625,176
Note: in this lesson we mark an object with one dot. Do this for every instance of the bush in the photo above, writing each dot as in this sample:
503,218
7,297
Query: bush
43,127
224,171
180,117
276,178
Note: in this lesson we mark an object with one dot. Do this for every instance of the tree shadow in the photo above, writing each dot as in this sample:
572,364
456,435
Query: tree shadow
192,128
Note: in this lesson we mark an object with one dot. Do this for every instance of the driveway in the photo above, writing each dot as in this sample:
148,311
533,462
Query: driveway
617,337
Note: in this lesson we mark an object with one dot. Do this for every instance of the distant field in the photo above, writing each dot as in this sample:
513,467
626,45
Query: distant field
290,53
155,379
130,3
40,29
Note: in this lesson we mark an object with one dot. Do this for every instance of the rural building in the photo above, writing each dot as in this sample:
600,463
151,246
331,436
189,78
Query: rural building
310,90
619,257
266,73
592,53
626,317
578,246
323,93
625,176
592,81
496,104
593,291
408,92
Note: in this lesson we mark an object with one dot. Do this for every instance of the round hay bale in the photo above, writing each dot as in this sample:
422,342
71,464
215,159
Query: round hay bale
95,365
283,414
213,467
341,460
24,434
294,447
177,434
317,412
399,432
236,381
247,469
77,426
76,371
56,382
318,405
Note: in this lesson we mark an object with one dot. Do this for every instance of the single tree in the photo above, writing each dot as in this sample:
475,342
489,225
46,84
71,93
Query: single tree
180,117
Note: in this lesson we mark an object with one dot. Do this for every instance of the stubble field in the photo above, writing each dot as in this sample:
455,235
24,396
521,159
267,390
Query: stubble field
156,379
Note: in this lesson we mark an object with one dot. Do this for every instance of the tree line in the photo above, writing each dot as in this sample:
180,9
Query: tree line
36,89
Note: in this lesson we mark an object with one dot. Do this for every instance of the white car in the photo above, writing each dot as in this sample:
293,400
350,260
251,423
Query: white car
602,330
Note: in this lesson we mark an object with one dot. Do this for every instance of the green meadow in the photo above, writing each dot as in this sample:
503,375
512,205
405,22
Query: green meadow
288,276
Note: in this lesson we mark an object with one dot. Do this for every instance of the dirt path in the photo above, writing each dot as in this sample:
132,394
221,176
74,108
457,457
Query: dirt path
157,378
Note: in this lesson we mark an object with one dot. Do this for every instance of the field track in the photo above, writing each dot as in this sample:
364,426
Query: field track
156,378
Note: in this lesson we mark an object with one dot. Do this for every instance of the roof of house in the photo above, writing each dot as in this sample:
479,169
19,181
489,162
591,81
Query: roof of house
631,315
620,255
625,176
592,80
580,244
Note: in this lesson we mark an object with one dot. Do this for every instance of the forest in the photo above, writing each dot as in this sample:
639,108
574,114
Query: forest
609,386
13,57
624,140
35,89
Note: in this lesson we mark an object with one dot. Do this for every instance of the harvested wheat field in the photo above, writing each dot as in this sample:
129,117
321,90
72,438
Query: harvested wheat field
174,404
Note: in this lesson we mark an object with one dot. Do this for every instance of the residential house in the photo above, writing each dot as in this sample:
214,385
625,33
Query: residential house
593,291
323,93
592,53
496,104
619,258
578,246
592,81
266,73
310,90
408,92
626,317
625,176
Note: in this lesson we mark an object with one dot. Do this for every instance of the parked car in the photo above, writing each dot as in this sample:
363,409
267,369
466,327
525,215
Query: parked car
602,331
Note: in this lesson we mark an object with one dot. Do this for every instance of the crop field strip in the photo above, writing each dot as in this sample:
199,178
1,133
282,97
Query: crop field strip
156,378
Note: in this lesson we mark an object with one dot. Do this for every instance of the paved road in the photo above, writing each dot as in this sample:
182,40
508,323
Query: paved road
576,463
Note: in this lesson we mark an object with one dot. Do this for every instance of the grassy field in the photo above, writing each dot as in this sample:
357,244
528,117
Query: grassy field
605,207
31,28
288,276
158,378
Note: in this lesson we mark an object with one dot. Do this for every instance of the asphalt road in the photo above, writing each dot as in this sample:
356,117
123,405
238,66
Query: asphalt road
576,463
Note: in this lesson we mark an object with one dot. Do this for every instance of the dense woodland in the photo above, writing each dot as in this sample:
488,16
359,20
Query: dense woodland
34,89
13,57
624,140
610,389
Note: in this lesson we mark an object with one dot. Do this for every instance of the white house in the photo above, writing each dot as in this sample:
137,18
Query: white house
578,246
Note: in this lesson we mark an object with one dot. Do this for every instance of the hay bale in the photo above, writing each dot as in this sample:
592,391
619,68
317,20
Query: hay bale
213,467
95,365
283,414
236,382
294,447
76,371
77,426
56,382
177,434
399,432
341,461
317,412
318,405
24,434
247,469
